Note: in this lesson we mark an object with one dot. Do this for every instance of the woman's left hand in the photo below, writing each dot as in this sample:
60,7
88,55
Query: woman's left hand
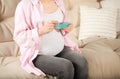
68,29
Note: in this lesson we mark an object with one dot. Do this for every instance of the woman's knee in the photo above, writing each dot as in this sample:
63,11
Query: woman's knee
67,69
83,61
83,66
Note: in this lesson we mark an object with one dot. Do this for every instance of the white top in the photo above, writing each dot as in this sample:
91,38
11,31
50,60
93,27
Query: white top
53,42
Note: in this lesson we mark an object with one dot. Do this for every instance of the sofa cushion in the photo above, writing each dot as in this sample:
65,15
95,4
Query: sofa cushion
6,29
72,8
82,2
10,69
103,62
9,49
7,8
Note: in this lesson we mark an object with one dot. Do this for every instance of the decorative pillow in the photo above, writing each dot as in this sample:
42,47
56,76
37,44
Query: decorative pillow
113,4
97,22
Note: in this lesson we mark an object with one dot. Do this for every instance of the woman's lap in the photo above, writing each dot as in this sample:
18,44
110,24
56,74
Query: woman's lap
65,62
55,66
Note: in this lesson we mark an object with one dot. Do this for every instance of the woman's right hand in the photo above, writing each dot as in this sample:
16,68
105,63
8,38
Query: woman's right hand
48,27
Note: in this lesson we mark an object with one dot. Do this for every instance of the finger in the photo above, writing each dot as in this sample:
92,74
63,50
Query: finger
50,29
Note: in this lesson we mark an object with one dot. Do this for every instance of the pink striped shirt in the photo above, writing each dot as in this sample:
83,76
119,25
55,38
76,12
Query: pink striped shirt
28,18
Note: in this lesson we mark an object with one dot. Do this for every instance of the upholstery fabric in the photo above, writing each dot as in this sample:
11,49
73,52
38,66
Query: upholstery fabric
73,10
6,29
7,9
103,56
9,49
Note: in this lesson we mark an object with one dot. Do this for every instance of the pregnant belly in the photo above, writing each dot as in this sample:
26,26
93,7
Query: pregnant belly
52,43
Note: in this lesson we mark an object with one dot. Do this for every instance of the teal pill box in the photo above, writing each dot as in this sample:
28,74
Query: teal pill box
62,25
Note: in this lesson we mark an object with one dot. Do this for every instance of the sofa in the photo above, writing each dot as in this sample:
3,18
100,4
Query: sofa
103,55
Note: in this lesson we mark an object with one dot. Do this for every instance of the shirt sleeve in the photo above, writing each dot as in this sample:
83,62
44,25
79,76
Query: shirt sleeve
24,33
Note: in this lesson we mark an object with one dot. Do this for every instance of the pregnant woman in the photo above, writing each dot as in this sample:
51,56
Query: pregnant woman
45,50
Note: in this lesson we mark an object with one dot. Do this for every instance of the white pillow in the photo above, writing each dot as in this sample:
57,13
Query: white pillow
97,22
113,4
